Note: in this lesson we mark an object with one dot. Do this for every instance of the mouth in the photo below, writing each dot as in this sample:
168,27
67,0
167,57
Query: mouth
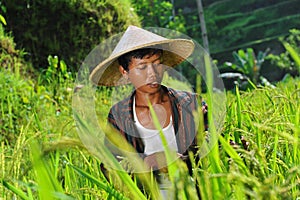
153,84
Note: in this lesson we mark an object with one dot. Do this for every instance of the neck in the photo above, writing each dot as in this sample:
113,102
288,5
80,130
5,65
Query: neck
142,99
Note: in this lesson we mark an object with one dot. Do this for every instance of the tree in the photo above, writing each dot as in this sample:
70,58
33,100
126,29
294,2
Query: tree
68,29
159,13
203,25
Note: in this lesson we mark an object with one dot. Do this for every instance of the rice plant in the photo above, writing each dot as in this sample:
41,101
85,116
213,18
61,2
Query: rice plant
47,160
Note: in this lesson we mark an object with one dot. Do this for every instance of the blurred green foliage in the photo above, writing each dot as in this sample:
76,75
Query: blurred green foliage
246,68
24,93
288,60
66,28
159,13
70,29
16,101
238,24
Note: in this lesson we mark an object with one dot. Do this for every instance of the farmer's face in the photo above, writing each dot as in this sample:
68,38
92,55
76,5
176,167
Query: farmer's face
146,73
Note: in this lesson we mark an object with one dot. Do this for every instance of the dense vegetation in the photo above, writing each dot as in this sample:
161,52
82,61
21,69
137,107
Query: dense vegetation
66,28
42,156
234,24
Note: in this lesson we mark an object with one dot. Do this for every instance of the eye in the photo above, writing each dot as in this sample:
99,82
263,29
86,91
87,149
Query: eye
142,67
157,65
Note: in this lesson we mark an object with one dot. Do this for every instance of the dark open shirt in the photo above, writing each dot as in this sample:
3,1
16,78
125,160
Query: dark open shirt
184,112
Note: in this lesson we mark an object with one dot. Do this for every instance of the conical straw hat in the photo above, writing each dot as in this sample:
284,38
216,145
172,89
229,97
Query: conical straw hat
174,52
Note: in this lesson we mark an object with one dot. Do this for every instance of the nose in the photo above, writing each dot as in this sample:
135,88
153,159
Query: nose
151,69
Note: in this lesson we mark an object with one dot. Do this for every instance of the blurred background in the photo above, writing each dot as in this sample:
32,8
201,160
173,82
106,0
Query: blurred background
71,29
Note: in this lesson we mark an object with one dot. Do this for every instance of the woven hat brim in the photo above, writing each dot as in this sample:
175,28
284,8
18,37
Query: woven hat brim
174,52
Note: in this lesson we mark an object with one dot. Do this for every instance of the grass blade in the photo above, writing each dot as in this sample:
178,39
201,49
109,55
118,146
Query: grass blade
238,114
177,170
233,154
105,155
15,190
48,185
293,54
99,183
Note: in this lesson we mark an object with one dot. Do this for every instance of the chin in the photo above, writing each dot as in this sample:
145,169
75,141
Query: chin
149,88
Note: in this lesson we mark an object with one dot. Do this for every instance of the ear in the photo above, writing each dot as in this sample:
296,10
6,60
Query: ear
123,72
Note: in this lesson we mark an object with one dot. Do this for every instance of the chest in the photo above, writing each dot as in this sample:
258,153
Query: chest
162,114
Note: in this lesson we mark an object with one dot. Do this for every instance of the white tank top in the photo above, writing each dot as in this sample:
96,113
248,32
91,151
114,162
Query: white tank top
151,137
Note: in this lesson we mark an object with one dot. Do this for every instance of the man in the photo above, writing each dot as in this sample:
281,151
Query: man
141,58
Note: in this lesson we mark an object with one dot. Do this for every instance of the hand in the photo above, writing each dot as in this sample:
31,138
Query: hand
182,157
157,161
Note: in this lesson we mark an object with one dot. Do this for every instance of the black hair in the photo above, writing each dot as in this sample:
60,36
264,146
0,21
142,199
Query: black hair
125,59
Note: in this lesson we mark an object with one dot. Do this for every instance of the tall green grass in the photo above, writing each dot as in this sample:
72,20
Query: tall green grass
42,156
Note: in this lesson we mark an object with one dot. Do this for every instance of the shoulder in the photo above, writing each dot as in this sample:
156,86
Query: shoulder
122,104
121,108
182,95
